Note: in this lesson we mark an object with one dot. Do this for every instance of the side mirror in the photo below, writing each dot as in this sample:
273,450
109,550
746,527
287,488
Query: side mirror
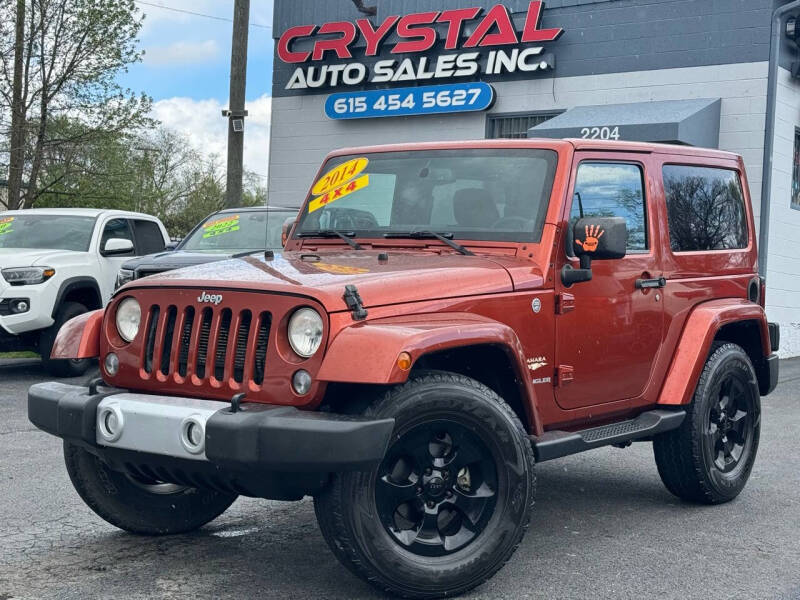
287,227
117,247
172,245
595,238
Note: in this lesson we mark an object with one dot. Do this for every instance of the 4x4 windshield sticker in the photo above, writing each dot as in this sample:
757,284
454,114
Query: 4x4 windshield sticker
341,174
339,192
221,226
5,225
593,235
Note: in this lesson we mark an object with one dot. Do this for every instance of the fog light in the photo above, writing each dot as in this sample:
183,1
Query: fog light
110,423
19,306
301,382
193,435
111,363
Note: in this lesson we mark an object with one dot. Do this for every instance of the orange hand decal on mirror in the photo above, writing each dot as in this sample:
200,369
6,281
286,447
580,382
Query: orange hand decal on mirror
593,235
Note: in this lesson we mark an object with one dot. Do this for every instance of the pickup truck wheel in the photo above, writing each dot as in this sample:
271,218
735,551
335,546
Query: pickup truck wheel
137,505
708,459
62,368
451,500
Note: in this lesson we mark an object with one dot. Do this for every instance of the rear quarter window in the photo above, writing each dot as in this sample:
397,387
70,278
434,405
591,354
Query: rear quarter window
705,208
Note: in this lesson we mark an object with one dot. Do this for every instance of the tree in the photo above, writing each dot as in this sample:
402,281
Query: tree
155,172
71,54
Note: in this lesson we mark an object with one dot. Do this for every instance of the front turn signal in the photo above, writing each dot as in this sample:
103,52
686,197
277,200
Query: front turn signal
404,361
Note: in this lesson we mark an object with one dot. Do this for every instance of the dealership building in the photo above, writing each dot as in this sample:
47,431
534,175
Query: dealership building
714,73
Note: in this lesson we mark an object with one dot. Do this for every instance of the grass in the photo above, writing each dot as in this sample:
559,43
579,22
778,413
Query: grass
18,355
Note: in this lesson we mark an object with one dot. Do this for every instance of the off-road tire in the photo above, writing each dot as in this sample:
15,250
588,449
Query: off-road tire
347,509
62,368
682,456
129,505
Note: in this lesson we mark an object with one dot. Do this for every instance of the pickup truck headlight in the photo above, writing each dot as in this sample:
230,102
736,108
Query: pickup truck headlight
129,318
27,275
124,276
305,332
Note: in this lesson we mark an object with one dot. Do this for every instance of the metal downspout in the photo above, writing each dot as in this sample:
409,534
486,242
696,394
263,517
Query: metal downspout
769,131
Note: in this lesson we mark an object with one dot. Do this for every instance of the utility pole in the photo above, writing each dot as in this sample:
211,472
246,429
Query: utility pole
16,162
236,112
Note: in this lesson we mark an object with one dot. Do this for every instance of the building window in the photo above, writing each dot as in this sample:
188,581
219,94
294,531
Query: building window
516,125
796,171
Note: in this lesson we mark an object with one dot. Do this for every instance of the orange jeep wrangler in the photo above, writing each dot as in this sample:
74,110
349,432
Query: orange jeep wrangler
444,316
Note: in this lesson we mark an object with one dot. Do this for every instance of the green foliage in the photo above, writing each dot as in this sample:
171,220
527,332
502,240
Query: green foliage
156,172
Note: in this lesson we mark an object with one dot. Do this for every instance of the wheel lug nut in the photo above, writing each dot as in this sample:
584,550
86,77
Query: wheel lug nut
431,504
419,490
445,475
428,471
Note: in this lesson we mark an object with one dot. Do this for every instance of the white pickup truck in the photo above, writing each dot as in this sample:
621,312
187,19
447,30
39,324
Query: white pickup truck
58,263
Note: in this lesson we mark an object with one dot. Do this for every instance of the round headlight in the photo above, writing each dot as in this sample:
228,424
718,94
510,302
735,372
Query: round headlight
305,332
129,317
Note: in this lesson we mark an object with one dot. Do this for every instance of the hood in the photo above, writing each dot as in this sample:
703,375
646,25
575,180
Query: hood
406,276
21,257
174,259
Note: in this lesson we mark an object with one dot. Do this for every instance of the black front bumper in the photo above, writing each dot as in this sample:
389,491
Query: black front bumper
268,451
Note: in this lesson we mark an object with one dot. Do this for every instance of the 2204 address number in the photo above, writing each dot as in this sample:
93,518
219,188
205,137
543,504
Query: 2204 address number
600,133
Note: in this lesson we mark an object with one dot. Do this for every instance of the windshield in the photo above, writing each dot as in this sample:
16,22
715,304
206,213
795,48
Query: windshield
46,232
473,194
236,232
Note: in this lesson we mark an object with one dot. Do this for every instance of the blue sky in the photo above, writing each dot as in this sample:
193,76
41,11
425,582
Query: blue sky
186,71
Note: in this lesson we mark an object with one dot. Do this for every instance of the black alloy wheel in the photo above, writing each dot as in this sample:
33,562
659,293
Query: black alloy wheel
436,488
729,432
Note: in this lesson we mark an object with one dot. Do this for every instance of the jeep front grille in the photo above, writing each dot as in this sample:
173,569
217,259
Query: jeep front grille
223,340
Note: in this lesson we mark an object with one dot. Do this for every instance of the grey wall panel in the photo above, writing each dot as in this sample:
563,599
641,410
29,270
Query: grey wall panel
600,36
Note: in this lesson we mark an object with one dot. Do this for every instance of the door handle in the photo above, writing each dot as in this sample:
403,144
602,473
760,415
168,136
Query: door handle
643,284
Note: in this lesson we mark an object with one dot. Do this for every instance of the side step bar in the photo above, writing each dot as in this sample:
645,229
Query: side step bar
555,444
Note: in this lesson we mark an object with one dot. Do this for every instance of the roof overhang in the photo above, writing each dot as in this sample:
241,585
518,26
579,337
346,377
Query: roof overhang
688,122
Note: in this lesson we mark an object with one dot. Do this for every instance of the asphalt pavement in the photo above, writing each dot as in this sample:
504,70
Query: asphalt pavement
604,527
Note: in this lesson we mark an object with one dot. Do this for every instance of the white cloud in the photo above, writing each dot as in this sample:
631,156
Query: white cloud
201,122
182,53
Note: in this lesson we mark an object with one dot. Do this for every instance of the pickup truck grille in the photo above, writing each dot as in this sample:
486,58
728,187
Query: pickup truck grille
229,345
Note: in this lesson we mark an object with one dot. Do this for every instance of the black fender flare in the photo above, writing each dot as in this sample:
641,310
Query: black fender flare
76,283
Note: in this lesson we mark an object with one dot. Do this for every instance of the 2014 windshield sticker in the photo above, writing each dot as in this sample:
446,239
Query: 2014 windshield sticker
339,192
341,174
221,226
5,225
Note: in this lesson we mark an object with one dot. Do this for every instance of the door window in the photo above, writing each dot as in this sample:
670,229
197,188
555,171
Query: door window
612,190
116,229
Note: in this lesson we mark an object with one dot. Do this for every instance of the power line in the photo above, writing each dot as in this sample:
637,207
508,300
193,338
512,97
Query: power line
196,14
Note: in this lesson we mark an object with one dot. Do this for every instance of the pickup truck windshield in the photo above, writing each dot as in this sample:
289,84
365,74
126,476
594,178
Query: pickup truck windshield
470,194
237,232
46,232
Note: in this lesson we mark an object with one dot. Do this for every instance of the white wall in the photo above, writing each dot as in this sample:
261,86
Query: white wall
302,134
783,261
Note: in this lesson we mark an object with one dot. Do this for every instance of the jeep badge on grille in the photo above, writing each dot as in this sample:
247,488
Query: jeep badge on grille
206,298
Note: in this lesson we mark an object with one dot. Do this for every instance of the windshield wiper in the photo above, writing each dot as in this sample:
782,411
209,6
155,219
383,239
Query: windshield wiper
445,237
328,233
